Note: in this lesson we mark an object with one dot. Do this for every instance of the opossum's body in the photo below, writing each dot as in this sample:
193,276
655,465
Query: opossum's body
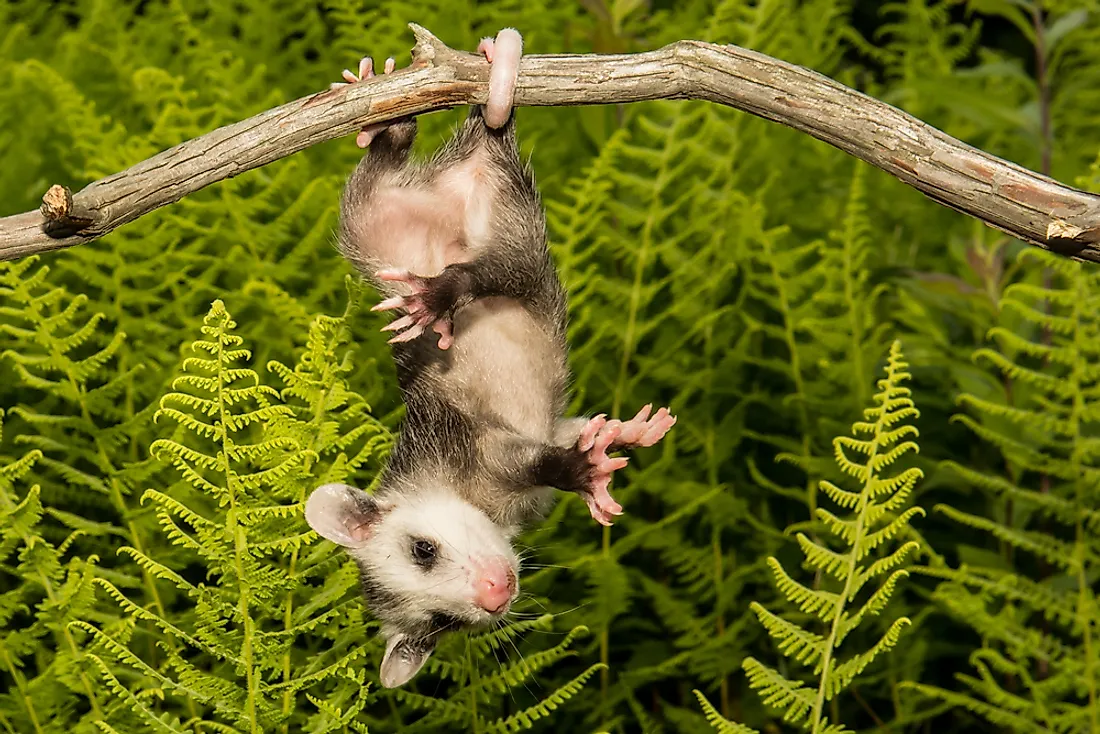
502,383
459,243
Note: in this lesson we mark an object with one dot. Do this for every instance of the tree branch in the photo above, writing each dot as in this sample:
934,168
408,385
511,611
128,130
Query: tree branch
1033,208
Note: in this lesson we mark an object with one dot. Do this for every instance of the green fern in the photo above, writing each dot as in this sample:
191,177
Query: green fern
1042,635
875,518
44,589
227,514
721,724
759,274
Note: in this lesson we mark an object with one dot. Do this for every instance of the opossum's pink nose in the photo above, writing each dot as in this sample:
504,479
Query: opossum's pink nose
494,585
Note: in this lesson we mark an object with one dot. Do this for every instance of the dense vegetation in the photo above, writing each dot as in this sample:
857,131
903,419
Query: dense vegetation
171,393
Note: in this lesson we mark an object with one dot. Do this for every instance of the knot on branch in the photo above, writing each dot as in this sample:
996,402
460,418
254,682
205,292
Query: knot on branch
63,216
1066,238
57,202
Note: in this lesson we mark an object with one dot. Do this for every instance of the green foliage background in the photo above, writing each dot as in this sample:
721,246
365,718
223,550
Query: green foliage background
171,393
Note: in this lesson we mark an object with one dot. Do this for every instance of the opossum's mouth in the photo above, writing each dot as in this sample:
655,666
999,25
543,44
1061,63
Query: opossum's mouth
447,622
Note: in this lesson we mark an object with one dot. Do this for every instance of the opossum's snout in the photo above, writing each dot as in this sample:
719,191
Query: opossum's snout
494,582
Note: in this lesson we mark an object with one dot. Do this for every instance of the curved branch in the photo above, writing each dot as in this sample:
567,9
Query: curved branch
1033,208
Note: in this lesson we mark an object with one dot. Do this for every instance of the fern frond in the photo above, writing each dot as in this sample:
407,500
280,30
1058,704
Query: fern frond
717,721
861,534
526,719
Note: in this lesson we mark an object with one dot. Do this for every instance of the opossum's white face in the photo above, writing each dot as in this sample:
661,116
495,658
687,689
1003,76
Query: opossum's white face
428,561
440,555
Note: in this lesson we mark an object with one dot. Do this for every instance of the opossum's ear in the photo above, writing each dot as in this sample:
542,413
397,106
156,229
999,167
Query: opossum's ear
343,514
404,658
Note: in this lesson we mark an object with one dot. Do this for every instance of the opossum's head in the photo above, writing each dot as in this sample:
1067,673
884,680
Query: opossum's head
429,563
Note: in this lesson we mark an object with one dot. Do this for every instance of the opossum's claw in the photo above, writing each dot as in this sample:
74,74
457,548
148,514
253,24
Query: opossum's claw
418,316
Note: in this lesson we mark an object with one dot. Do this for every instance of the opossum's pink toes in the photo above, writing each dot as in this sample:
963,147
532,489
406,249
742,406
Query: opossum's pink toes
588,434
389,66
402,323
367,134
606,437
446,338
601,506
659,425
486,47
595,438
389,304
609,465
418,315
401,276
366,71
643,430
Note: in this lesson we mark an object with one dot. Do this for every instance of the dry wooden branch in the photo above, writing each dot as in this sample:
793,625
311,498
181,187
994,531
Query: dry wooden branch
1024,204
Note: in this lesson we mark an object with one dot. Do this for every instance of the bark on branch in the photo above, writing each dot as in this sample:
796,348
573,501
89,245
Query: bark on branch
1026,205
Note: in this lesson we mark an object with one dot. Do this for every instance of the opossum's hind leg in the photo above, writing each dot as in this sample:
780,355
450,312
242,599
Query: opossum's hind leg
389,217
433,300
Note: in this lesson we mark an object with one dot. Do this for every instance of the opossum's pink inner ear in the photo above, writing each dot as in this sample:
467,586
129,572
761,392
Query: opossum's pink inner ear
343,514
403,659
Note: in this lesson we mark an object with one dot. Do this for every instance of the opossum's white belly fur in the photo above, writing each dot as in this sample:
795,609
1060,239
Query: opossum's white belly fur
507,364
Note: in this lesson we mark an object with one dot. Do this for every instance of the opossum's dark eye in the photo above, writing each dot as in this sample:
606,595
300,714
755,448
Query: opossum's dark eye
423,553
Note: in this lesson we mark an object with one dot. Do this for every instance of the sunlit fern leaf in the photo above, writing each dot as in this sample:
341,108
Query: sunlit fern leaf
885,432
326,415
518,672
526,719
333,718
238,445
43,590
69,367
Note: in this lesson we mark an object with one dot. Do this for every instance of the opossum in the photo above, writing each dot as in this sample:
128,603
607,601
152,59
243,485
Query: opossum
459,244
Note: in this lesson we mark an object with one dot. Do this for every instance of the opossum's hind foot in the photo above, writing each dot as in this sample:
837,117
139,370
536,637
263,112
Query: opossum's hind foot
432,302
366,71
595,439
503,55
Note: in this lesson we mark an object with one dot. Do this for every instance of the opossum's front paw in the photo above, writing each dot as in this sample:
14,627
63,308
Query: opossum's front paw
597,437
432,302
366,71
